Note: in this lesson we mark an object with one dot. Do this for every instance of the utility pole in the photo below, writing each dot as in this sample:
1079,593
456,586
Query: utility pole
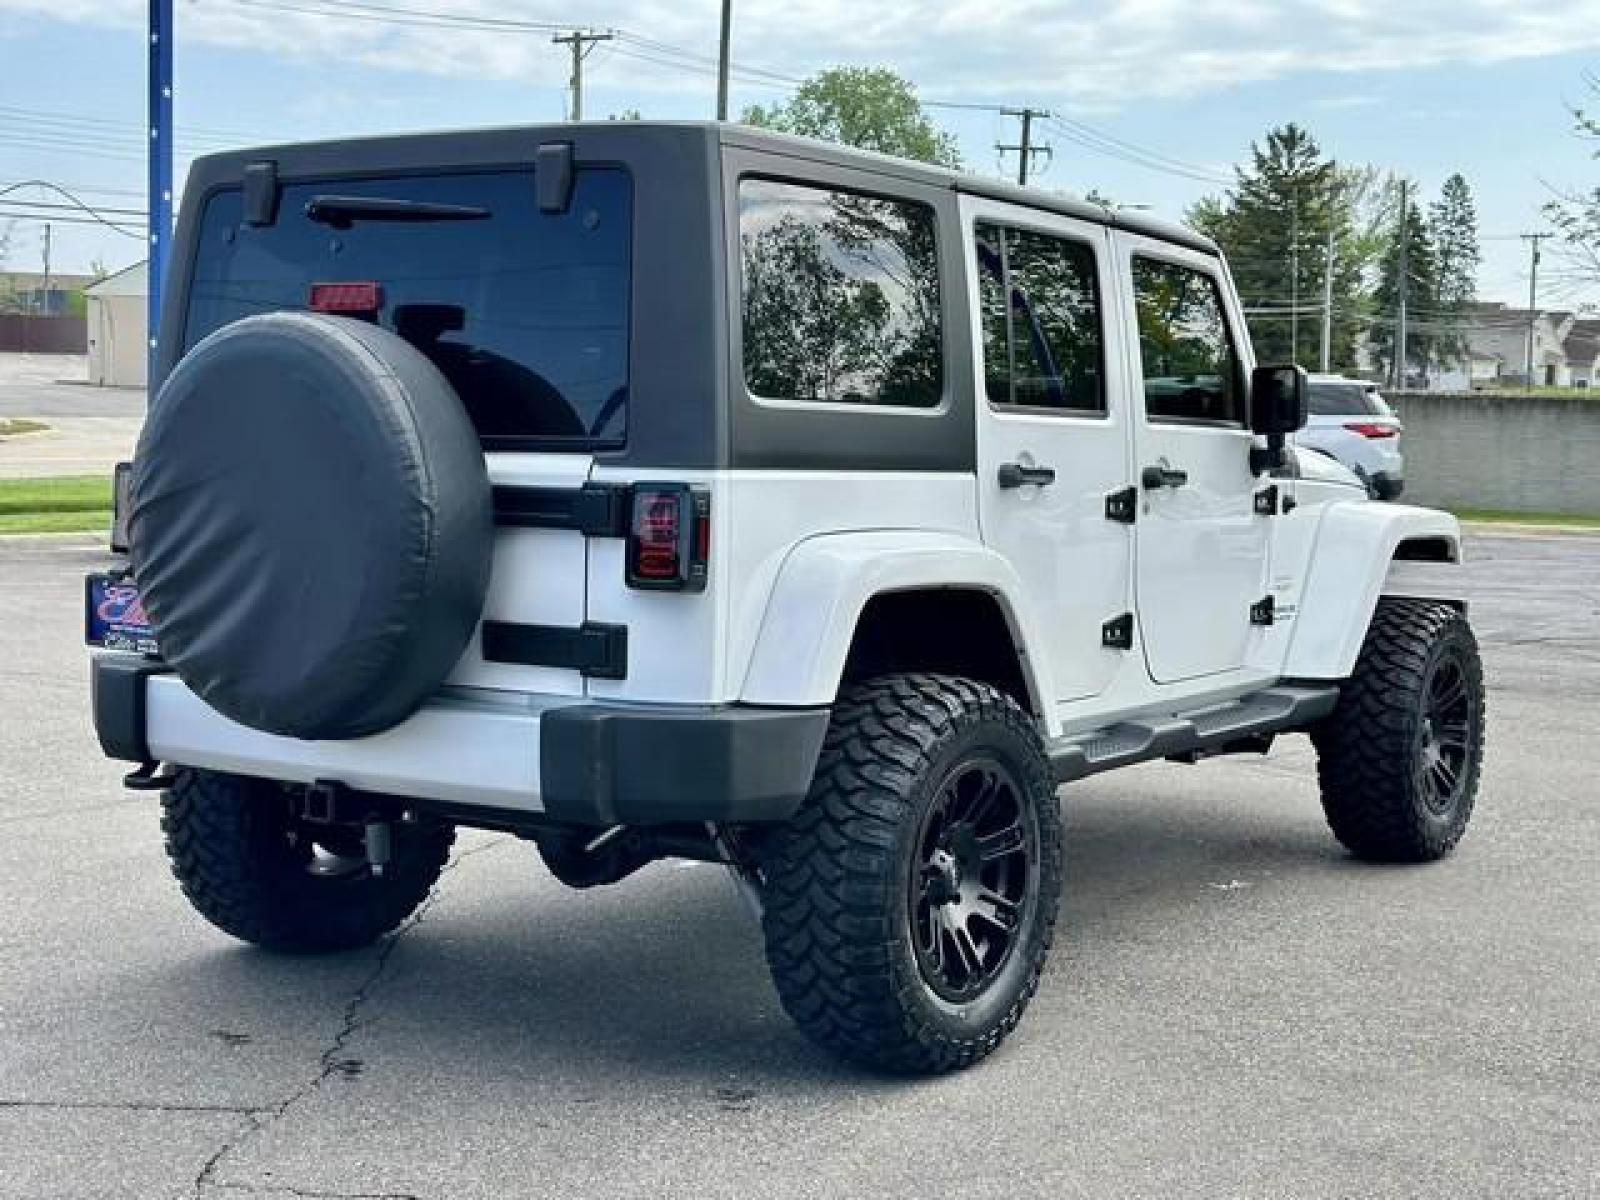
44,292
1024,149
1533,240
724,49
1327,308
582,42
1405,286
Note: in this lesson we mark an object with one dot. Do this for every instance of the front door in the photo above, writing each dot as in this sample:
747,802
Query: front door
1202,550
1052,437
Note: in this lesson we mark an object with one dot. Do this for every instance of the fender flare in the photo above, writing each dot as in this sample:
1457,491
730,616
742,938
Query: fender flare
824,584
1354,549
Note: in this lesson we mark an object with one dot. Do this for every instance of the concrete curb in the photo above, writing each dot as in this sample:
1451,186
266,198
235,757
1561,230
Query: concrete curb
1530,529
86,538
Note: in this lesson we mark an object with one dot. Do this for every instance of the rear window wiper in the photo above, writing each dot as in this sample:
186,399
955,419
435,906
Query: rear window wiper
341,212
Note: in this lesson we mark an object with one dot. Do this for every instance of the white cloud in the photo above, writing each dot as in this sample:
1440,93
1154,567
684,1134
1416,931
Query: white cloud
1094,53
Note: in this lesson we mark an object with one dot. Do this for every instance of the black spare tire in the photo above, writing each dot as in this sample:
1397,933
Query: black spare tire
310,525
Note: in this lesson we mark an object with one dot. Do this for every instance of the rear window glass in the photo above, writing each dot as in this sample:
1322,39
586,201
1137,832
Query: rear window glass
1344,400
841,296
525,313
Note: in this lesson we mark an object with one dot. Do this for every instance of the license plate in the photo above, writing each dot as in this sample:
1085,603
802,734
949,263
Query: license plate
114,616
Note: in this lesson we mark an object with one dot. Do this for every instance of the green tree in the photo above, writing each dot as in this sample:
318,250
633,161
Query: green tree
868,107
1275,225
837,304
1410,261
1453,226
1576,215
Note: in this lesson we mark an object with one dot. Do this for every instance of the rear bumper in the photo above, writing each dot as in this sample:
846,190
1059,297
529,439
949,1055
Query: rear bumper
592,764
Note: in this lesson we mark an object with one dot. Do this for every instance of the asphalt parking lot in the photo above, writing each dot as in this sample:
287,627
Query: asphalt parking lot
1235,1008
90,428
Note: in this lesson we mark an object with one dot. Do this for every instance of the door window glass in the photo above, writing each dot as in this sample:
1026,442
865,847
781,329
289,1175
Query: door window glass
1040,307
1191,370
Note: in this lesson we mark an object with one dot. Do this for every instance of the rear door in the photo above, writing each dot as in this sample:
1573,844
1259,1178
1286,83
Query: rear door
1202,550
525,312
1052,439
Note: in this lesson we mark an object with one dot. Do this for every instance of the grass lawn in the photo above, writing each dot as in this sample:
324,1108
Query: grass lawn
1495,516
14,425
66,504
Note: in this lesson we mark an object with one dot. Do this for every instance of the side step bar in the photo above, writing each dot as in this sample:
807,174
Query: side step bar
1244,724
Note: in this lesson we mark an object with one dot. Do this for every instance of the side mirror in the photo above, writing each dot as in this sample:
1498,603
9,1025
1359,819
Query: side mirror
1278,398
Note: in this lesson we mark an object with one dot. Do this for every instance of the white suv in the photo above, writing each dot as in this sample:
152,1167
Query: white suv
1351,423
686,490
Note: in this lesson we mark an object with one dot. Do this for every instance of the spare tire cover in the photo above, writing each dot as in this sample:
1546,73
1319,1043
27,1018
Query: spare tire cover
310,525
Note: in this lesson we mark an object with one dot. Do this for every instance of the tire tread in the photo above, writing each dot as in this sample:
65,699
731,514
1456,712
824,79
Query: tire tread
832,943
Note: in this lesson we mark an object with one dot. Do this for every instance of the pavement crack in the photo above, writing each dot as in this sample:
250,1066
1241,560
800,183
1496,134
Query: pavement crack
279,1189
142,1106
332,1059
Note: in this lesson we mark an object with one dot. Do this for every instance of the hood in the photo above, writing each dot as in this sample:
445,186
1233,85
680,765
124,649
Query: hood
1314,466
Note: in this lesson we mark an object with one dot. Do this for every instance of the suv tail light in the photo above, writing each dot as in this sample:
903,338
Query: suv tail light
1369,429
669,537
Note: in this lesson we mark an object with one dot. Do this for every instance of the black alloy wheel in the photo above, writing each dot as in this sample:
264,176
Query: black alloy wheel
978,878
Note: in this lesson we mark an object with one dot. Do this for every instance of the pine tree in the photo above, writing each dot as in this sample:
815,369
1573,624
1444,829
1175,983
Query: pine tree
1275,226
1410,245
1453,222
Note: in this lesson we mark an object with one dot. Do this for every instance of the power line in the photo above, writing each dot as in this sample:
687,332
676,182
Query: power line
384,14
70,122
138,214
127,230
81,188
76,202
1108,144
62,148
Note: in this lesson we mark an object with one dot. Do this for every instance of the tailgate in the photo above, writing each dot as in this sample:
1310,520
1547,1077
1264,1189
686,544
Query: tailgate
537,587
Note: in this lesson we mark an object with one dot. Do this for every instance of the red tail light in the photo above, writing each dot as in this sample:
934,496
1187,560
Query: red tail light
669,537
346,297
1368,429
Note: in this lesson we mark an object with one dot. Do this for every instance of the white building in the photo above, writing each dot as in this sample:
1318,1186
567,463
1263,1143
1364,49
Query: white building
116,317
1583,353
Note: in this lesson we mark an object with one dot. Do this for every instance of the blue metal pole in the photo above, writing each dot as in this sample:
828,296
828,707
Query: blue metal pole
160,163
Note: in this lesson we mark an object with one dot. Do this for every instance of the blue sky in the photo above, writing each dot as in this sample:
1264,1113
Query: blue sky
1423,87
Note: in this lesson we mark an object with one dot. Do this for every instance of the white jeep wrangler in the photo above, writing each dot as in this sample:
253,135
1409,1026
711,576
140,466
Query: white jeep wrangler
683,490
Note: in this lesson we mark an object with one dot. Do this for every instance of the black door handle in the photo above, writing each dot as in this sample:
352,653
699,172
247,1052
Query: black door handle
1014,475
1160,477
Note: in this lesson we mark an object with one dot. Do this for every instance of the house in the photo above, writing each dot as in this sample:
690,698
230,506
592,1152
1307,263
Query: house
1497,348
1582,349
117,327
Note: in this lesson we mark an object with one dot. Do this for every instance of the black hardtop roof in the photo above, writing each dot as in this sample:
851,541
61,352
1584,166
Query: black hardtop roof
446,146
